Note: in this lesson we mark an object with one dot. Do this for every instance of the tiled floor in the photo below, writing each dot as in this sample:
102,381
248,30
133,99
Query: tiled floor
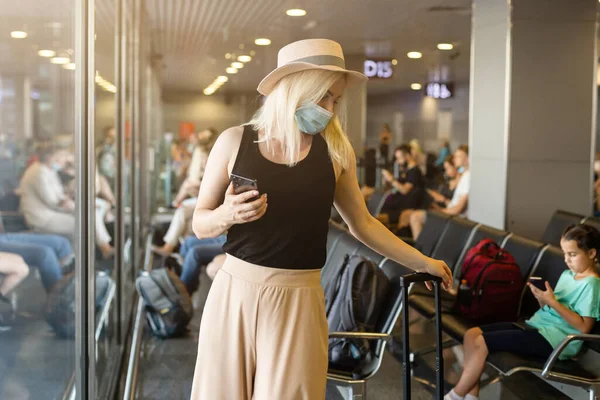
167,368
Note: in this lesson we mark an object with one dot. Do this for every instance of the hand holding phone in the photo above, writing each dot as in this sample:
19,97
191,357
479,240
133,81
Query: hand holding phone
242,184
243,203
538,282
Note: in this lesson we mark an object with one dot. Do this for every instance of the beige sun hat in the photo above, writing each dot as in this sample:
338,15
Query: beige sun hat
309,54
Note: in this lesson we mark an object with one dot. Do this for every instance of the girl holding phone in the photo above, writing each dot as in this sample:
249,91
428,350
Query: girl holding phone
572,307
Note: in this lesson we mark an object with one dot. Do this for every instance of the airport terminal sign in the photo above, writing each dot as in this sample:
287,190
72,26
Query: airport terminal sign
439,90
381,69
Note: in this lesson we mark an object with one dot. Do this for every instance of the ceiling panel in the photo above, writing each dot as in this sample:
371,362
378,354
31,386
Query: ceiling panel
193,36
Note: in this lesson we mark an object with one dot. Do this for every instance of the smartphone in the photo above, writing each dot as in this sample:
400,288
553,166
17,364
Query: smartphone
538,282
241,184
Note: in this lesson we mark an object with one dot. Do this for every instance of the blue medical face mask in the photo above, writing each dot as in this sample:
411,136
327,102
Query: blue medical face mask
57,167
461,170
312,118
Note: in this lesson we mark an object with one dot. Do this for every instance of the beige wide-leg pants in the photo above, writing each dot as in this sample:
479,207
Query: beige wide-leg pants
263,335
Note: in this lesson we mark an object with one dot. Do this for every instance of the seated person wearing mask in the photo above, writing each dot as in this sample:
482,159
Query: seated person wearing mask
44,203
408,187
459,202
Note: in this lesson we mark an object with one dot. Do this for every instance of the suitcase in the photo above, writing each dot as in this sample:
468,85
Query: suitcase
405,282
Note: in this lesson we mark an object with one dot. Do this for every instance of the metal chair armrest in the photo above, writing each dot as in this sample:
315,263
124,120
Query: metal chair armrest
361,335
547,371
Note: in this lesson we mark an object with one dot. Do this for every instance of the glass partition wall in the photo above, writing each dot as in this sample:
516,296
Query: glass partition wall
79,121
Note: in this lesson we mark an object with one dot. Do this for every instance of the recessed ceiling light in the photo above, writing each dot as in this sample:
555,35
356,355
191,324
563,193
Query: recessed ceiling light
60,60
395,62
262,42
46,53
222,78
244,59
414,54
296,12
242,46
231,70
237,65
70,66
416,86
228,56
208,91
253,53
18,34
445,46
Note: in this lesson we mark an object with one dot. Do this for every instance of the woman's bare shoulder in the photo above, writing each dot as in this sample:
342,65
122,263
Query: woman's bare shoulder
228,144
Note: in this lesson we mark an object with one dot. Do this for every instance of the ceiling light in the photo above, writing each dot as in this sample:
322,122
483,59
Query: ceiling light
244,59
445,46
231,70
414,54
69,66
395,62
222,79
46,53
237,65
416,86
242,46
18,34
296,12
228,56
262,42
253,53
209,91
60,60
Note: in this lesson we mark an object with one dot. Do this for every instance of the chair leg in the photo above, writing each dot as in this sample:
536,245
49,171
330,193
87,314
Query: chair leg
358,391
595,392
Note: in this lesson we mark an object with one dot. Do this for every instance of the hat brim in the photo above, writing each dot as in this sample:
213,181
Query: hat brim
267,85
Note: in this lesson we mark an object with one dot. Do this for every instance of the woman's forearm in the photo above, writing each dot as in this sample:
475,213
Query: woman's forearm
375,235
209,223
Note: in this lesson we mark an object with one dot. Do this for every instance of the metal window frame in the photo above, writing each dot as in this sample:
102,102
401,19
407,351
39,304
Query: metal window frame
85,373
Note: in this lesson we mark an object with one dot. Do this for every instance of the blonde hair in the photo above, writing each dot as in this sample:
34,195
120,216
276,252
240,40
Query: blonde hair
276,116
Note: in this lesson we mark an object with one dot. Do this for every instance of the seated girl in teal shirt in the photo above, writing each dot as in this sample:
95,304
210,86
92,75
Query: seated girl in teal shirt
573,307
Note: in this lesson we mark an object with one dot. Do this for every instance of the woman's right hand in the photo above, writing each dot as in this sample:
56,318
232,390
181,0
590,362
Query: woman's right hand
237,211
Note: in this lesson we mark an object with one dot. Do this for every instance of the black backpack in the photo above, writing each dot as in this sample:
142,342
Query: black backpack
354,294
60,309
168,305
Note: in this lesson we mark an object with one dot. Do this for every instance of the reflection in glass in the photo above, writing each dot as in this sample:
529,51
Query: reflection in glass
37,199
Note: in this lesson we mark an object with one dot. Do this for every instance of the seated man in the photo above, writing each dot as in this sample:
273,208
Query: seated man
408,187
458,204
196,253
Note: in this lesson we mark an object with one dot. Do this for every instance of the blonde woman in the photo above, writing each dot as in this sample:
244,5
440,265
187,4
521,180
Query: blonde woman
264,331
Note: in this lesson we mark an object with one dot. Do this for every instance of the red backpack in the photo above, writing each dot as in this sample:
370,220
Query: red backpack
491,284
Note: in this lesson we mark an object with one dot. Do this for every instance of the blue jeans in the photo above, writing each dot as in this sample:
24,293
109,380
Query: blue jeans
197,252
39,250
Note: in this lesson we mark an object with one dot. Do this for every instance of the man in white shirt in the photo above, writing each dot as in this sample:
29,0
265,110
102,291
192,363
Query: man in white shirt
458,203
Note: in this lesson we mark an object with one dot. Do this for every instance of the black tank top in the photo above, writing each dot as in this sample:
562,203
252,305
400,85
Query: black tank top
293,232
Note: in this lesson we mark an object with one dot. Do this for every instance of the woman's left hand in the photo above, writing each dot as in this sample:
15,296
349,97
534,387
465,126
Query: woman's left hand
544,297
438,268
